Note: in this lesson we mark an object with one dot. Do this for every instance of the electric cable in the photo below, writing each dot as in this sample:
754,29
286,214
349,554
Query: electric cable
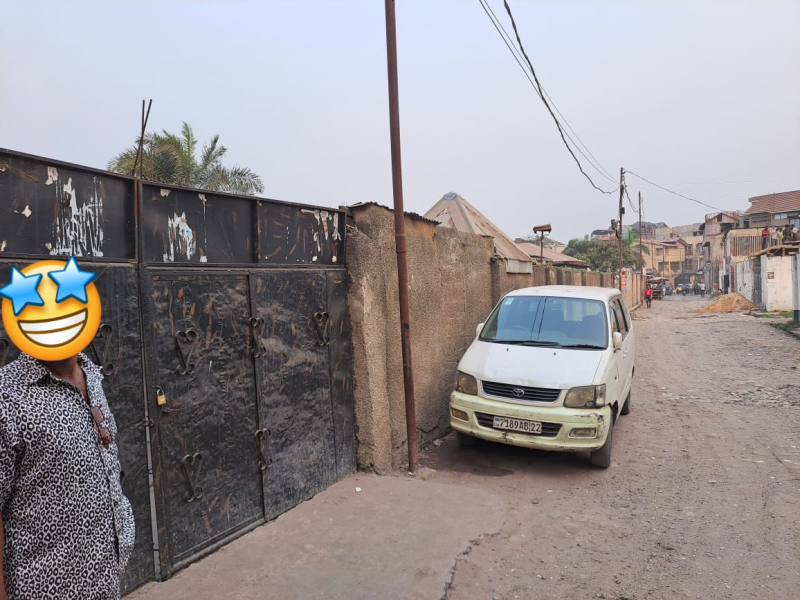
515,53
661,187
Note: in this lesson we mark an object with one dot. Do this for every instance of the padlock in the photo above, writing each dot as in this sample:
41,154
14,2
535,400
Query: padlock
161,398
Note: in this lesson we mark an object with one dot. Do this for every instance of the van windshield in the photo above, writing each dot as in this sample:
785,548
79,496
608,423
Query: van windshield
548,321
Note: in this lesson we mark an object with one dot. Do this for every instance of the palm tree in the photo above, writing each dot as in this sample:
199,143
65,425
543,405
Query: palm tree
171,159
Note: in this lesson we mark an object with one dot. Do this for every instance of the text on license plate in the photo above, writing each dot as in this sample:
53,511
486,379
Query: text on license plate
517,425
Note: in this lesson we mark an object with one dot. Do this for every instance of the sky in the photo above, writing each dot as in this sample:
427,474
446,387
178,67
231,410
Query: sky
699,96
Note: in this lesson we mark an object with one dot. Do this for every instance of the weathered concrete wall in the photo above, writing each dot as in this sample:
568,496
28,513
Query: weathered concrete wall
776,282
450,285
744,279
454,282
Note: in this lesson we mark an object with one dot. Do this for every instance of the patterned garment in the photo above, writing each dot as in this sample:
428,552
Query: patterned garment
68,528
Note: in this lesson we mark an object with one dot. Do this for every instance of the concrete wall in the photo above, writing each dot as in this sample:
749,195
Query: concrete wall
776,292
744,279
454,282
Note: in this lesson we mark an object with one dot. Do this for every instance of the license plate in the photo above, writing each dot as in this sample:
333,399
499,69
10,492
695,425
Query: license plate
517,425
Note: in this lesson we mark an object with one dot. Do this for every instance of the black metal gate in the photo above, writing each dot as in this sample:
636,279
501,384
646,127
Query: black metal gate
225,345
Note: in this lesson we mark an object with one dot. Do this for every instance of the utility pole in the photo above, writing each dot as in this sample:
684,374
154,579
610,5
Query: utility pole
400,236
641,256
619,221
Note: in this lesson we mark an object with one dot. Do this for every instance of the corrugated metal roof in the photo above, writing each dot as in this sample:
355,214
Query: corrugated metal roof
453,211
557,258
772,203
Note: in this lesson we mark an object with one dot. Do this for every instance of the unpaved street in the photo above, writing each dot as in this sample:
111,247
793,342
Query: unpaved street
701,500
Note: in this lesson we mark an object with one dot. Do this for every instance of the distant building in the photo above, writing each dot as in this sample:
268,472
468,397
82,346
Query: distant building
773,210
453,211
557,259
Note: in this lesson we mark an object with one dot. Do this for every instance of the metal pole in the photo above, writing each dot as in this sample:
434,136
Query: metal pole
619,222
643,282
541,249
400,235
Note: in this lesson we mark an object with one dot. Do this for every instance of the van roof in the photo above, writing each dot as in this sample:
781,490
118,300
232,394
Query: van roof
568,291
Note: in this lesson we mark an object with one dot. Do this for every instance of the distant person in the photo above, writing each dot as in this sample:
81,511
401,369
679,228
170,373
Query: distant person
702,290
648,296
779,235
696,289
765,238
794,237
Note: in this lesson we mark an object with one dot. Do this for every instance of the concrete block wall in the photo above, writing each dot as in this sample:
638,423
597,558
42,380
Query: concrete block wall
796,287
776,282
454,282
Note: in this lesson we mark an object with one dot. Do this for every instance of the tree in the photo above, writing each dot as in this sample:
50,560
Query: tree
171,159
604,256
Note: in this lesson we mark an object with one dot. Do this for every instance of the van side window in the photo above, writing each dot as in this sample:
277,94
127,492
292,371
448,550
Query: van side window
613,314
620,317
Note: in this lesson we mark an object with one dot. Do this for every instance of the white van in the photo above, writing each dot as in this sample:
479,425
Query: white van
551,369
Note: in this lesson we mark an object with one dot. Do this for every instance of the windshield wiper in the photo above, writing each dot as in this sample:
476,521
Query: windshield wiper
590,346
525,342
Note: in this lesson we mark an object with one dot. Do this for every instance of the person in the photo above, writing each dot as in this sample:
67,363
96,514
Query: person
696,288
779,235
648,295
702,289
793,235
765,238
67,528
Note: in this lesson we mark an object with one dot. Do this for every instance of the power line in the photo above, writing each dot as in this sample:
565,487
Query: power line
538,87
661,187
504,35
630,201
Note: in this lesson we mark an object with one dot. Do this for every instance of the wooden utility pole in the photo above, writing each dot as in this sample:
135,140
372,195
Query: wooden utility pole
400,236
619,221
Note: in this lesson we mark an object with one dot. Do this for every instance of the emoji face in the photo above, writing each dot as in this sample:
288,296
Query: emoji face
51,309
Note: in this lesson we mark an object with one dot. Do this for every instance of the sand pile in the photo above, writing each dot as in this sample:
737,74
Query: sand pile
729,303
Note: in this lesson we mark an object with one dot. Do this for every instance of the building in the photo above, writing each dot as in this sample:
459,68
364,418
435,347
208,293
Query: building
453,211
551,257
773,210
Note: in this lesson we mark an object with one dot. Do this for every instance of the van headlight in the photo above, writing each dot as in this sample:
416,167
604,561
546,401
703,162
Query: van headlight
588,396
466,384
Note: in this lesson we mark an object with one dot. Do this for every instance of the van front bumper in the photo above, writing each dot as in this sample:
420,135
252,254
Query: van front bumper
558,423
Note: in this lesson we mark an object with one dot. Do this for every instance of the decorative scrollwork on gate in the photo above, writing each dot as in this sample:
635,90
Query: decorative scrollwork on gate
185,339
256,336
191,470
262,436
321,321
104,332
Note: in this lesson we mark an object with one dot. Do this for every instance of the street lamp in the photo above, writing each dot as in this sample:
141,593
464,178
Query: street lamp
542,229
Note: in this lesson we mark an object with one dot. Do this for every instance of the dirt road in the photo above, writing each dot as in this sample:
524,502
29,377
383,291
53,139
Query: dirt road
703,496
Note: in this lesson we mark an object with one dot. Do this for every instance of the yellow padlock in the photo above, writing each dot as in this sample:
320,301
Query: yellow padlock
161,398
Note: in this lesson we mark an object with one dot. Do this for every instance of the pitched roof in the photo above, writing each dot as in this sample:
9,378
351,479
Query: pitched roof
557,258
773,203
453,211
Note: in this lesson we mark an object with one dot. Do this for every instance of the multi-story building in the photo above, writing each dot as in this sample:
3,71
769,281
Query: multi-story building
773,210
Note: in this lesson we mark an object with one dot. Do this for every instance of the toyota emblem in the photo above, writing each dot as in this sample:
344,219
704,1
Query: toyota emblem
518,393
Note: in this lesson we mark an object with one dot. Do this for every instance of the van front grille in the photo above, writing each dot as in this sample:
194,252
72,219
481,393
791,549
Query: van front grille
504,390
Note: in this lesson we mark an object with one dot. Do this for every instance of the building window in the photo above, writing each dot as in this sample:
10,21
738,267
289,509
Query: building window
779,216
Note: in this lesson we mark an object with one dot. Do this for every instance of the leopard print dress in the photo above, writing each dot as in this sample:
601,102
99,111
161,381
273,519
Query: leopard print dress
68,527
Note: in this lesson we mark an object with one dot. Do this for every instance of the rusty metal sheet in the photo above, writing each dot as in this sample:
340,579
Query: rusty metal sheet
50,209
340,352
208,468
293,235
194,226
294,385
117,349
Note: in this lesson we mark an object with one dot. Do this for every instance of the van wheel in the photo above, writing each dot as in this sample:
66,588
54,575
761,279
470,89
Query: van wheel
626,408
602,458
466,440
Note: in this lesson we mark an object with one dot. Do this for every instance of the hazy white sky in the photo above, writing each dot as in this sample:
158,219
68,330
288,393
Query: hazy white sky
701,96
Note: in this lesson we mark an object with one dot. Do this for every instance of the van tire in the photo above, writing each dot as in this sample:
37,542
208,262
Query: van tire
602,458
466,440
626,408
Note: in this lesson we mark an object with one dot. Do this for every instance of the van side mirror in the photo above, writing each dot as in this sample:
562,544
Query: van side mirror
616,339
478,329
